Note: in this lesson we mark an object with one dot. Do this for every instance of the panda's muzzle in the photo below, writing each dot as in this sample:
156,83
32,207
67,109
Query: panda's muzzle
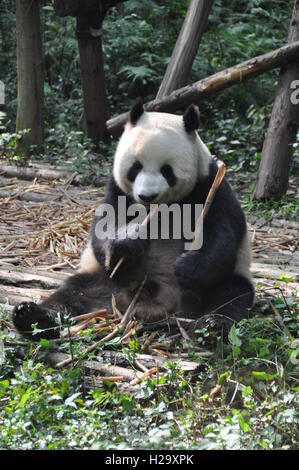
149,198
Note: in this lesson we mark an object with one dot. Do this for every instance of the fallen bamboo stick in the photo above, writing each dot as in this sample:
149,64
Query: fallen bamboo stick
76,329
97,314
126,336
117,378
116,311
104,326
141,366
148,341
144,376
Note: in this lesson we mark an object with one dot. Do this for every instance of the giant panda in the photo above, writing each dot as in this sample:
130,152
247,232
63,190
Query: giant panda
161,159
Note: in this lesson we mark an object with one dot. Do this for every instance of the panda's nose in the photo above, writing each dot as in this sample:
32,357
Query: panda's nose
149,198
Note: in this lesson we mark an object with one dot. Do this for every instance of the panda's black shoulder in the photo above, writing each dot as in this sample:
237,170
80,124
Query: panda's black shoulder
199,193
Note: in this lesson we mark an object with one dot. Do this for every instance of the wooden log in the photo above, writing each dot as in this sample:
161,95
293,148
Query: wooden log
274,272
281,261
23,279
273,174
92,383
121,361
206,87
15,295
29,173
32,172
29,196
93,367
52,277
147,360
186,47
288,224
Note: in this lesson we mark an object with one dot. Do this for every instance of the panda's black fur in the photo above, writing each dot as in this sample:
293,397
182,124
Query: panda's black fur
192,284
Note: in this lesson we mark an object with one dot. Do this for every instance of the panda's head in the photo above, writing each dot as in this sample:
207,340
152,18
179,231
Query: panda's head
160,156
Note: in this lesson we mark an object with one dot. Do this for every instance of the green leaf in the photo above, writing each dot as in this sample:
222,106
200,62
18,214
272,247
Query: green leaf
233,337
263,375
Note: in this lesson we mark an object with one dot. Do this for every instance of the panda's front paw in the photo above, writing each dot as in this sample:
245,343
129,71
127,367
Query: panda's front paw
27,314
131,245
185,269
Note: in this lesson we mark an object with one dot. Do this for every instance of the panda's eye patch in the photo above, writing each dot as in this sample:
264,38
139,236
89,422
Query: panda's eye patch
169,175
133,171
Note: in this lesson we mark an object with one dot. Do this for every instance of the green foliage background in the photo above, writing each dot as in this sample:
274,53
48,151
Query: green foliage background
138,40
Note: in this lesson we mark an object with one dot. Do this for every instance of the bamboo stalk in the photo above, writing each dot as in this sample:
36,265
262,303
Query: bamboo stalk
144,376
210,197
118,378
116,311
76,329
97,314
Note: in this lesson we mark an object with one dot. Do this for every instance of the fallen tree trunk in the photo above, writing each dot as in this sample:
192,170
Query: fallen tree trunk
29,197
31,280
30,173
15,295
273,174
200,90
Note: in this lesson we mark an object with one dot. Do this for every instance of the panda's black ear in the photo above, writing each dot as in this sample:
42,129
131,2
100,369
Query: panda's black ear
136,111
191,118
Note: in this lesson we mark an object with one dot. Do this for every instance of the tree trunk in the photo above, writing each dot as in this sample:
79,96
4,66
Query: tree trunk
93,78
83,7
186,47
200,90
273,175
30,74
90,15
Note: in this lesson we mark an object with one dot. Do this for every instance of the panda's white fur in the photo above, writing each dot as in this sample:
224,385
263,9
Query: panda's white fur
88,262
156,140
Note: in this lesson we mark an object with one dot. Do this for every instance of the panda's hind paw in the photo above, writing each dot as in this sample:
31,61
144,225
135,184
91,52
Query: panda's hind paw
27,314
